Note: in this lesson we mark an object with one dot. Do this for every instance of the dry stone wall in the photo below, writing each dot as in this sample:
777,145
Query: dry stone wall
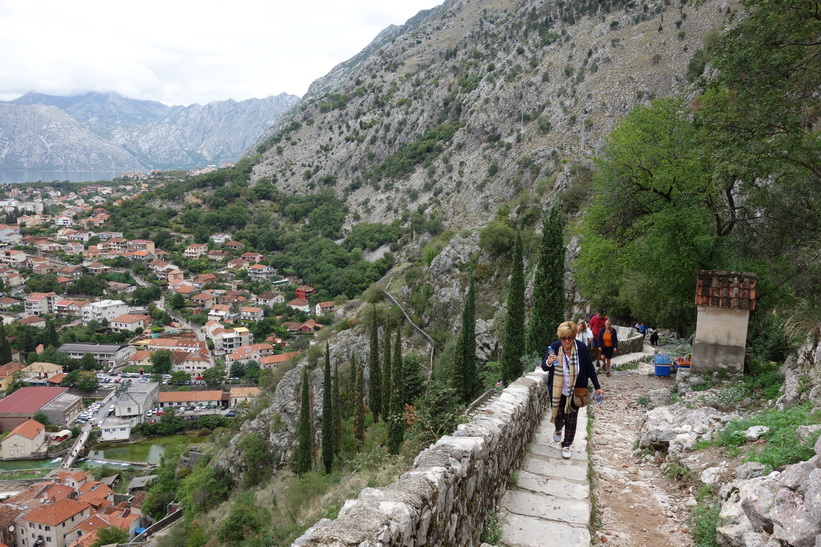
444,499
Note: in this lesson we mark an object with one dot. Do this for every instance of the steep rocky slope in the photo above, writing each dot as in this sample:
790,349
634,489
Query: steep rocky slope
482,101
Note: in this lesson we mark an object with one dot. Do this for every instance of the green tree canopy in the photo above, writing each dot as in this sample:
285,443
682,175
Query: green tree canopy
110,535
161,361
514,342
305,429
214,375
548,290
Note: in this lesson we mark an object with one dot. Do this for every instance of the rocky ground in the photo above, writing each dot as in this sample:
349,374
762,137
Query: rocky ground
637,504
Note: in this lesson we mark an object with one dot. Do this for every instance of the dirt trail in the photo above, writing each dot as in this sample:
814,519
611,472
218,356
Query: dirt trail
638,505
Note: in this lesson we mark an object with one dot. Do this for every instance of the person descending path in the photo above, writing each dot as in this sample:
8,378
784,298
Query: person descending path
575,370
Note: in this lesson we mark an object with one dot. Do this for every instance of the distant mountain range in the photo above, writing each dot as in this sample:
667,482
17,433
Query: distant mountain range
109,132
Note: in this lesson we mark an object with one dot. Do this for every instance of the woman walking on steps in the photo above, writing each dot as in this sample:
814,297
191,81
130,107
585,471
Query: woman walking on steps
573,368
609,343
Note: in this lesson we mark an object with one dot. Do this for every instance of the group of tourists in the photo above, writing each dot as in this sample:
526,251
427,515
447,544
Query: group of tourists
569,364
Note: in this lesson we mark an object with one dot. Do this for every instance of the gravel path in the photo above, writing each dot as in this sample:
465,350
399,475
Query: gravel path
638,506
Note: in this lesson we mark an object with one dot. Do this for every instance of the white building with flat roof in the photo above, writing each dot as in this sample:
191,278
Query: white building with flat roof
104,309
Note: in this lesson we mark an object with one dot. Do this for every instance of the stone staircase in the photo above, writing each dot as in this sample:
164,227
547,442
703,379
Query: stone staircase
549,501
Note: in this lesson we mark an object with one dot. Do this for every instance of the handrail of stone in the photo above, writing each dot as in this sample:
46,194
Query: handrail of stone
445,497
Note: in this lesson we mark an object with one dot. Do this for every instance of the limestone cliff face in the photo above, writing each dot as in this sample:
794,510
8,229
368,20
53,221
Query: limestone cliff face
45,137
108,132
480,101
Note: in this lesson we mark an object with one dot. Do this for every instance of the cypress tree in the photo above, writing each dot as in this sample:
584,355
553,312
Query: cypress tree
376,372
350,402
398,375
337,402
327,416
413,378
457,371
514,344
548,288
306,434
396,422
359,405
52,339
386,373
5,347
466,347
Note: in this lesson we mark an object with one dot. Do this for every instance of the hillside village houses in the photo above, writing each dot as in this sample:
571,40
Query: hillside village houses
81,221
67,509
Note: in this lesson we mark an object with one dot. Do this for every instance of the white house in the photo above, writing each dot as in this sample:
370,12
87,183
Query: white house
250,313
10,234
117,429
195,250
259,272
220,239
25,439
104,309
130,322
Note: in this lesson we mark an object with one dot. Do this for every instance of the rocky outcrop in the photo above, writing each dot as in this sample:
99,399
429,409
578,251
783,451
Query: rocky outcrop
277,421
783,508
674,429
802,374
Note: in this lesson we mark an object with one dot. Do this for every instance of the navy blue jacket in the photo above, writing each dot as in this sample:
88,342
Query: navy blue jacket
587,372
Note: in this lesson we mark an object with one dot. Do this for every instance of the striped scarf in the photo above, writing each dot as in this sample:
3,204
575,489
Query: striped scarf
558,382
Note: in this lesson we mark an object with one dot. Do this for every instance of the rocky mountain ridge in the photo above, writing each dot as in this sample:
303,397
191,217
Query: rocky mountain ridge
481,103
105,131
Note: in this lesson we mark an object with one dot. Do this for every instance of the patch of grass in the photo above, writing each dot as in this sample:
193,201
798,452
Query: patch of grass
512,480
704,517
643,401
492,527
677,472
780,447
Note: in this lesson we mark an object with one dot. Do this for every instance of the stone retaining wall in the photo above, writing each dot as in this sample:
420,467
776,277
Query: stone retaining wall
630,341
444,499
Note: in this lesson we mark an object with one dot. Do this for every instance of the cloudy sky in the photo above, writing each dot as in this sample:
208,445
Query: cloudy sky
184,52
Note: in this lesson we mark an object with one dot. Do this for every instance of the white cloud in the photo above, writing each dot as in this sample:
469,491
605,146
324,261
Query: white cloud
180,52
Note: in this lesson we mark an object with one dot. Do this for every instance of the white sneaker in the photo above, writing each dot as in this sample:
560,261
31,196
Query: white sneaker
557,436
566,452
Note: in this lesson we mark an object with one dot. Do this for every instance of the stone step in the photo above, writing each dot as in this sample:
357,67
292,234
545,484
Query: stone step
522,531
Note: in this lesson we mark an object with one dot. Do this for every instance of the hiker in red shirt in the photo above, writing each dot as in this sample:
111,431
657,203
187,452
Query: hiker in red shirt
596,325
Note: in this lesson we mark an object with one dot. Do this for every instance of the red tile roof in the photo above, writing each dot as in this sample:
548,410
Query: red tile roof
281,358
10,368
28,429
720,289
55,513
